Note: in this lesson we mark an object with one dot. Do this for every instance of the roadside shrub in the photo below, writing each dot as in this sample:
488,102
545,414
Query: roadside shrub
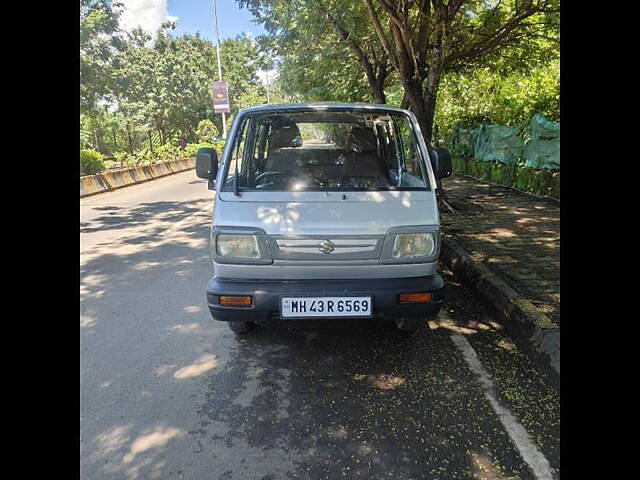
206,130
219,146
91,162
191,148
121,158
167,152
163,153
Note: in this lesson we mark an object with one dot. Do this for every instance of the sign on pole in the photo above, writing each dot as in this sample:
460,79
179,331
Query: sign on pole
220,97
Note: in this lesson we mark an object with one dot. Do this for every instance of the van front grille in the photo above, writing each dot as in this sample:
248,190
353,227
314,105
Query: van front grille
333,247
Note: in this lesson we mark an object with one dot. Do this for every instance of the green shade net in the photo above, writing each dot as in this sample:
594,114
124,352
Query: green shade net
541,143
498,143
462,141
536,143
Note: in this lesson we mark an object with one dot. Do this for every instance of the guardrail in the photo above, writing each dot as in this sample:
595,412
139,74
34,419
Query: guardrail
107,181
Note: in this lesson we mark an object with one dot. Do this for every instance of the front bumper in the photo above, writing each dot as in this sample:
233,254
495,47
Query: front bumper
266,295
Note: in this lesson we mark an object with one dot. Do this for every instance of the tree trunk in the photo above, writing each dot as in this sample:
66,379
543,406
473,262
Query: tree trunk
422,102
377,89
415,101
115,140
429,112
130,141
404,103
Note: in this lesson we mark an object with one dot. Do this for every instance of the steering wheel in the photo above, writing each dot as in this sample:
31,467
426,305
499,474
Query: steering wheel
270,173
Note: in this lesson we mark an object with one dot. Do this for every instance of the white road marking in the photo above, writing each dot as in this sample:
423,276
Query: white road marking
536,460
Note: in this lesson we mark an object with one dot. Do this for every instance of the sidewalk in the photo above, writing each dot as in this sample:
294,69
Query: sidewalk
515,235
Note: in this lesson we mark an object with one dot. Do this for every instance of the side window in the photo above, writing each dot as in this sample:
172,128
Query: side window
412,175
388,135
258,160
257,155
237,154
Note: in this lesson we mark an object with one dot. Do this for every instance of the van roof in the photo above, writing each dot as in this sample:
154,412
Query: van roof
268,107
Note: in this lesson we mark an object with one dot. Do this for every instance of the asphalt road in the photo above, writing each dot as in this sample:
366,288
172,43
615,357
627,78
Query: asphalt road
167,392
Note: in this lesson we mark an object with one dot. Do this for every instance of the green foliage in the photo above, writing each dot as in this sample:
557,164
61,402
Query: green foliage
486,97
91,162
239,58
501,58
319,72
94,162
120,158
166,85
192,148
206,130
219,146
99,47
140,91
168,152
317,63
146,156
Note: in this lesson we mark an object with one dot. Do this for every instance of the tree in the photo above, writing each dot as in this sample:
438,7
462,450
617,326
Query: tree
240,64
167,84
206,131
421,40
319,72
153,89
99,45
325,36
425,38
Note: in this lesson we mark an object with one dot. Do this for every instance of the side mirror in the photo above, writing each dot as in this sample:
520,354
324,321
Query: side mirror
441,162
207,164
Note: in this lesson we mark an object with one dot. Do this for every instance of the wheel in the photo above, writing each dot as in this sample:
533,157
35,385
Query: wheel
409,324
241,326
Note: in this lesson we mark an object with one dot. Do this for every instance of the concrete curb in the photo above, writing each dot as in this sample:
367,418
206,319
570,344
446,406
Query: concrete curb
526,324
107,181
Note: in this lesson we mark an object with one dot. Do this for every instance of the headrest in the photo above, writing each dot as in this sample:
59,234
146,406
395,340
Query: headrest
362,140
285,134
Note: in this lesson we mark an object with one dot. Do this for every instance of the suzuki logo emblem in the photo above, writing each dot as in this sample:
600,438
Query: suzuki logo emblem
327,246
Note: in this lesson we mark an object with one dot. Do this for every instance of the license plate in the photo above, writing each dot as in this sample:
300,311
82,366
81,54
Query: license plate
303,307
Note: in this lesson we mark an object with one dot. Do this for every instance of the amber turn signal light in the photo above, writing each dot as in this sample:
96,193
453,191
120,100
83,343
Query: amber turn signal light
415,297
235,300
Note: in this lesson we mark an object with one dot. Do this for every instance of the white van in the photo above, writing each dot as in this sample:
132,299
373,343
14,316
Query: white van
324,210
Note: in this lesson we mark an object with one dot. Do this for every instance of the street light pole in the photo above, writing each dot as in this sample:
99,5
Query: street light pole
215,18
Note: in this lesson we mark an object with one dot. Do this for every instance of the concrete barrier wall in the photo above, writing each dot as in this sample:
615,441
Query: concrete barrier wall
92,184
106,181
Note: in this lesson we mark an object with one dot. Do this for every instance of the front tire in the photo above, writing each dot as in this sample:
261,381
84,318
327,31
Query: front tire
241,326
408,324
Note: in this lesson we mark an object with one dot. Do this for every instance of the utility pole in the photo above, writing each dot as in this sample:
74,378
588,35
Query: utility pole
215,18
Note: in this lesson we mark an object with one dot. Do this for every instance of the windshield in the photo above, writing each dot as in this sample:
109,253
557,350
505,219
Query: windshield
325,151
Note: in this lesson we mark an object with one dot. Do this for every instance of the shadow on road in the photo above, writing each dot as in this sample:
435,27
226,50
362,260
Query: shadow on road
121,217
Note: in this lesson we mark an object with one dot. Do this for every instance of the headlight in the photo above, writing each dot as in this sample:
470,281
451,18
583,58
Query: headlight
237,246
413,245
